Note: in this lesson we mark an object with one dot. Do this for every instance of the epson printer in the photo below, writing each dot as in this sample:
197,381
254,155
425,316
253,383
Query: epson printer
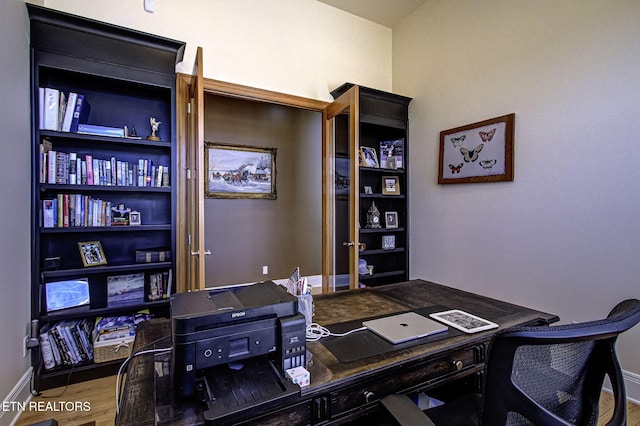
213,331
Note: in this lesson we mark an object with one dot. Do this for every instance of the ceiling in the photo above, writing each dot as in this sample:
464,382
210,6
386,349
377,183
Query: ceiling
385,12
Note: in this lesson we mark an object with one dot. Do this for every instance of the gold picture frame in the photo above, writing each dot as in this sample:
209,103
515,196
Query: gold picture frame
91,253
234,171
390,185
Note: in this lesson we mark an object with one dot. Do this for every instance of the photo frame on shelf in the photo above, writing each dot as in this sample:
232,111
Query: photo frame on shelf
67,294
91,253
234,171
134,218
388,242
390,185
368,190
390,220
123,290
369,157
392,150
478,152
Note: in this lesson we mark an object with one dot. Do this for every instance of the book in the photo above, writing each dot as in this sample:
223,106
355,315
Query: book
51,166
68,113
46,351
51,108
92,129
73,170
152,255
48,214
80,112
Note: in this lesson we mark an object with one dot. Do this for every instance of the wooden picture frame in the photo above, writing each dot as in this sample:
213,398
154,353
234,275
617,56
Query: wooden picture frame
478,152
390,185
369,157
91,253
233,171
390,220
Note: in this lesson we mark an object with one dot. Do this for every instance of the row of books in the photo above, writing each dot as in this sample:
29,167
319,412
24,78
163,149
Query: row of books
159,285
66,343
71,342
76,210
61,111
64,168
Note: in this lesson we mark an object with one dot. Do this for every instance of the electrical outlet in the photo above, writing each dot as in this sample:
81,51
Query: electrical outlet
24,346
265,270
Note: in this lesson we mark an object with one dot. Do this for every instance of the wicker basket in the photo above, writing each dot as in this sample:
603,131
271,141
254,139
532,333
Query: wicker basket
111,350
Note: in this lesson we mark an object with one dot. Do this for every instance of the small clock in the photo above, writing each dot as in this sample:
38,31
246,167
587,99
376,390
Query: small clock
373,217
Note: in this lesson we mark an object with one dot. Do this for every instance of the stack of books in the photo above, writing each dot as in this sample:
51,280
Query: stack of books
66,343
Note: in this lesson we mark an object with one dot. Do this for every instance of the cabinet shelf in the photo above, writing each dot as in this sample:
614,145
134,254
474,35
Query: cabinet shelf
381,251
86,311
389,197
382,170
61,273
382,274
82,137
381,230
115,228
103,188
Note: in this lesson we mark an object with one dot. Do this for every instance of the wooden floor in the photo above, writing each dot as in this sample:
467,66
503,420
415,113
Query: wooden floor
100,394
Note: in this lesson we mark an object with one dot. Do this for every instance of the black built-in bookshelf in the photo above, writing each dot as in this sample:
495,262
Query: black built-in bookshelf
384,118
127,77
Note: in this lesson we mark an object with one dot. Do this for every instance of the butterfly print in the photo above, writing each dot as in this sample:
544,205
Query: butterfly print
487,136
456,169
471,156
487,164
458,141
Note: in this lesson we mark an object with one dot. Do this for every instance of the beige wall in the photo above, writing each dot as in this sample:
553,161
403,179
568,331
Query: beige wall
564,236
244,235
299,47
15,234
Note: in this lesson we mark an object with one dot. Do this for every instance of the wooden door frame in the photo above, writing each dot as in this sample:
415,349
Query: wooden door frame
230,90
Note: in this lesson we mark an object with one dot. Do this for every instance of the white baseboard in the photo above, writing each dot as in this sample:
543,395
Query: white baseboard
20,394
632,386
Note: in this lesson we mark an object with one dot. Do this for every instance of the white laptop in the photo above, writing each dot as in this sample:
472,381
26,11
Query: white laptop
403,327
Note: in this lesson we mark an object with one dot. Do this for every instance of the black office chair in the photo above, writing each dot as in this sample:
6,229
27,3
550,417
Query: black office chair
539,376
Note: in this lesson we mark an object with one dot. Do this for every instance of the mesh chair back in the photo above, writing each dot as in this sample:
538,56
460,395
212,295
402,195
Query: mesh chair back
554,375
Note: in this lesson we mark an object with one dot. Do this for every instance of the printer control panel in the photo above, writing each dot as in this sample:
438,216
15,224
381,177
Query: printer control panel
257,339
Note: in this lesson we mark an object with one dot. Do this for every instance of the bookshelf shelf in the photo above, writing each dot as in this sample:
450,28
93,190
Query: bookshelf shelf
94,229
86,73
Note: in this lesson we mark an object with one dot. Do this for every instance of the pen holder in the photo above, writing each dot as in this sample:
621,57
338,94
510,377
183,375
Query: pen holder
305,307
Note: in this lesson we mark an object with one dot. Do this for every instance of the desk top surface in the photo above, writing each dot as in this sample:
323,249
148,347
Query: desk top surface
328,372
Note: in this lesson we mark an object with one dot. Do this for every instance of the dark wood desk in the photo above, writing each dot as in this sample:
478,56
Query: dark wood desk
342,391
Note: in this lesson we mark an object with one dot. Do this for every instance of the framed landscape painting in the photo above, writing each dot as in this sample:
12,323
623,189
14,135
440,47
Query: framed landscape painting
233,171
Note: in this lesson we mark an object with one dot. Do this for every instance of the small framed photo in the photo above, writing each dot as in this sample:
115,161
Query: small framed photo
391,220
91,253
390,185
368,190
392,163
388,242
134,219
368,157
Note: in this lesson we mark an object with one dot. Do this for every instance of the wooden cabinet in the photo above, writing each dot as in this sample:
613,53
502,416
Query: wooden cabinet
367,162
113,193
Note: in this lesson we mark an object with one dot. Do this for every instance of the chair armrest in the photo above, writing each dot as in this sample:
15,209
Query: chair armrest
404,411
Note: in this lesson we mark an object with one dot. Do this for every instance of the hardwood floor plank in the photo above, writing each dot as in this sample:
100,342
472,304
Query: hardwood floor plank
99,394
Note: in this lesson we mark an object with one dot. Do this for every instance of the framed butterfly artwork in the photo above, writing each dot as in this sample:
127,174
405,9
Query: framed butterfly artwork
478,152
